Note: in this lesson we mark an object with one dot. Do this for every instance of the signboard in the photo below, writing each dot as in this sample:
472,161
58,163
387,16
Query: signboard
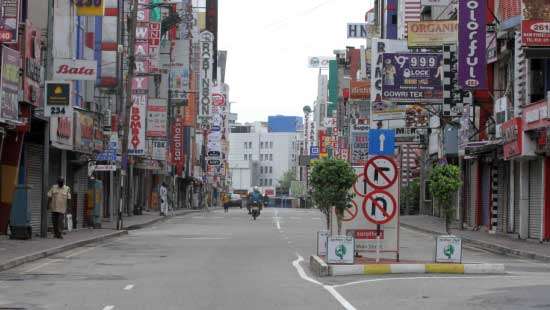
9,21
89,7
314,151
319,62
84,132
360,90
432,33
58,99
157,118
535,32
61,132
379,207
340,250
491,45
138,114
512,132
206,67
179,82
357,30
448,249
104,168
74,69
329,122
158,149
322,240
359,147
381,142
501,109
472,60
381,172
9,84
383,109
32,65
412,77
537,115
176,146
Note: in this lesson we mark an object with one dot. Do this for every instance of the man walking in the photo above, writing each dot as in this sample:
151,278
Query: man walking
163,199
58,196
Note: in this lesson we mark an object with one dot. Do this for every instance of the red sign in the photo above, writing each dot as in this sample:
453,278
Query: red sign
360,90
535,32
537,115
379,207
176,147
367,234
381,172
512,132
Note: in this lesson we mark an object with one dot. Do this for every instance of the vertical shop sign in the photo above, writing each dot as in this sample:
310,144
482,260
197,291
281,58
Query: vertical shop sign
136,139
176,147
205,84
472,29
32,66
9,85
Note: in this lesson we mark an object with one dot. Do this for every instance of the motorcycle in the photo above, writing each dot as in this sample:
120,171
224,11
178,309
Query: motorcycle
255,210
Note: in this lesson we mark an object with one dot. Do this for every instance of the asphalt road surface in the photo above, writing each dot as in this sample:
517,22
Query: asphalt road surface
226,261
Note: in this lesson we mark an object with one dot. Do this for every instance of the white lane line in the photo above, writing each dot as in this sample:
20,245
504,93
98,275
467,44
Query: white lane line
80,252
277,219
204,238
110,307
42,265
128,287
328,288
422,278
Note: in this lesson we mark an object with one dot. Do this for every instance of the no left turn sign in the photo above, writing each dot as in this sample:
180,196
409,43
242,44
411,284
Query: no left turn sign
381,172
379,207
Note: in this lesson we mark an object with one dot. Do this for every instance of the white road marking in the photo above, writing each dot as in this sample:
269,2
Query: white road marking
41,265
328,288
204,238
421,278
315,218
128,287
80,252
276,218
110,307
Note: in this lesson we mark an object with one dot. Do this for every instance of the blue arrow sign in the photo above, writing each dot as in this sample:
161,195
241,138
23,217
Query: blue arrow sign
381,142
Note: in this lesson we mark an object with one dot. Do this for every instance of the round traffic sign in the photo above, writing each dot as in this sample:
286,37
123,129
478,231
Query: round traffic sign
359,187
379,207
381,172
349,213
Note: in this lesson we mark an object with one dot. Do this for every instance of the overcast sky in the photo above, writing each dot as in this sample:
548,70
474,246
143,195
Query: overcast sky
268,44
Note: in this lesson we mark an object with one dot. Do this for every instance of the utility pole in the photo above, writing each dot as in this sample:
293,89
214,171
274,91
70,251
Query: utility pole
125,186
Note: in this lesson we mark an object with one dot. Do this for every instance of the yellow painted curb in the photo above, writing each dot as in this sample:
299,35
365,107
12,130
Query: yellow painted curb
445,268
376,268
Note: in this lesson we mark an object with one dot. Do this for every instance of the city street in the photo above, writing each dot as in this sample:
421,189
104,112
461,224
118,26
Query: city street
225,261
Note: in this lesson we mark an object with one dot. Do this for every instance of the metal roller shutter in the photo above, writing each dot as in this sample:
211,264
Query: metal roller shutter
503,188
517,168
474,179
467,191
535,199
33,161
80,188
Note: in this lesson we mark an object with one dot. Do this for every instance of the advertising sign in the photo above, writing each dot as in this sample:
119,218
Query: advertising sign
436,2
9,84
448,249
136,141
322,240
357,31
383,109
179,82
89,7
9,21
537,115
319,61
61,132
206,67
176,147
412,77
156,118
501,109
74,69
58,99
432,33
340,250
512,132
360,90
472,60
535,32
359,147
32,65
84,132
158,149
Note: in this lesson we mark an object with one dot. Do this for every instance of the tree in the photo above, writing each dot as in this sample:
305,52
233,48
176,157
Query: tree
286,180
410,200
444,183
331,180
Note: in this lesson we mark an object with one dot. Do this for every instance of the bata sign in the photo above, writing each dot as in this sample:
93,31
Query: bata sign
77,69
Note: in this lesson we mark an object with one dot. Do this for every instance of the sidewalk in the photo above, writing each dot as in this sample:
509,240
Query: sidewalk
497,243
17,252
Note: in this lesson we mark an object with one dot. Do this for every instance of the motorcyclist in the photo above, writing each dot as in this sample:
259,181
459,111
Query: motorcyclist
265,201
255,198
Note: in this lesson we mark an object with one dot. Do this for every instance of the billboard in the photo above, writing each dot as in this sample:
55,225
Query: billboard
157,118
9,21
535,32
432,33
412,77
472,60
360,90
9,84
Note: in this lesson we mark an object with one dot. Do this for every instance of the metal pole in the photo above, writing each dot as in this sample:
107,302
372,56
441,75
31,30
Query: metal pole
46,156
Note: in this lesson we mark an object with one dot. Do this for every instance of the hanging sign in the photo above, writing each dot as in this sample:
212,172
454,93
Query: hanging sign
74,69
472,60
156,118
89,7
58,98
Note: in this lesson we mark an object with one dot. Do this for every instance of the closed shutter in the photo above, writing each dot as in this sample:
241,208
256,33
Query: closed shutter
80,188
535,199
474,172
502,192
33,161
467,191
517,175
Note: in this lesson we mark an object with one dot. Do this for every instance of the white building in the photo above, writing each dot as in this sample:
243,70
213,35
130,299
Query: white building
261,158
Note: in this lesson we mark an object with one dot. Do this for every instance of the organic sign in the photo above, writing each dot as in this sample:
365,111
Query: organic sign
472,60
412,77
432,33
9,85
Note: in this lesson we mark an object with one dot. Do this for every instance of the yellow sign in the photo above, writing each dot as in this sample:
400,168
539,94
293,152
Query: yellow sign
90,7
432,33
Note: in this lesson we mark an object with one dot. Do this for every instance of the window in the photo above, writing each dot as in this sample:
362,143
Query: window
271,157
261,157
261,145
270,182
246,145
261,182
250,156
270,169
245,157
271,144
249,145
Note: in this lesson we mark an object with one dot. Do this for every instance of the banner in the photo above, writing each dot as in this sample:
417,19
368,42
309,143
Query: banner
9,21
74,69
136,138
412,77
176,147
472,60
432,33
9,84
84,132
157,118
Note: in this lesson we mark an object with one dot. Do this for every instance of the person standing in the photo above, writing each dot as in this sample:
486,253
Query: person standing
58,197
163,199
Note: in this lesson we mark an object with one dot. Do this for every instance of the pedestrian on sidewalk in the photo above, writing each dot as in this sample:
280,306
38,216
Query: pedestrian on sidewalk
163,191
58,197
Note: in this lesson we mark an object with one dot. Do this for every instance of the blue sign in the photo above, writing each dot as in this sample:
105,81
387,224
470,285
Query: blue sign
381,142
107,155
314,151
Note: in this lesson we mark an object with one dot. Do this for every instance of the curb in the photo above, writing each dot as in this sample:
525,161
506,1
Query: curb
491,247
318,266
379,269
49,252
157,220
